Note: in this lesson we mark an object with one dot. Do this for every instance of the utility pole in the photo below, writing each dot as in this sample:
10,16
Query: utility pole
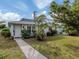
34,19
34,15
36,28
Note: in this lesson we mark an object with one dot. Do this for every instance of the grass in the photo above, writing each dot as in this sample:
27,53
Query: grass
10,49
57,47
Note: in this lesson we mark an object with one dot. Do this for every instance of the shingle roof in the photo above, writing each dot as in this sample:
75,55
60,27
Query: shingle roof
29,20
21,22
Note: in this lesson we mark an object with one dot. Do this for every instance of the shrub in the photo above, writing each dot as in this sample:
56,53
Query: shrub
34,33
5,32
2,26
51,33
74,34
25,33
40,36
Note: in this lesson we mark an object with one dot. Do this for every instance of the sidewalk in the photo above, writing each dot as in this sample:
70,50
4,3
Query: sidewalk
28,51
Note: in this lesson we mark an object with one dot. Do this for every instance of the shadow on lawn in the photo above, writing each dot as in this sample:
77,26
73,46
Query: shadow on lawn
73,47
54,38
6,43
49,38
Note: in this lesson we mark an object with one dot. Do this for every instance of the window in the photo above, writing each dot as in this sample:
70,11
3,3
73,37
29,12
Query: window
28,27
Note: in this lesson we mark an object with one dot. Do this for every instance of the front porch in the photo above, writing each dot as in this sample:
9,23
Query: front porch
16,28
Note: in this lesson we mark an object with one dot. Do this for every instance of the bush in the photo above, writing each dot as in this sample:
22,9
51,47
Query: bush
2,26
40,37
5,32
74,34
51,33
34,33
25,33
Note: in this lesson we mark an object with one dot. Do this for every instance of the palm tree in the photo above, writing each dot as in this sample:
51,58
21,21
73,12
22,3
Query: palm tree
39,22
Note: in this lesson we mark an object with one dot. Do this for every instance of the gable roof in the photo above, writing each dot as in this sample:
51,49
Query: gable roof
22,21
28,20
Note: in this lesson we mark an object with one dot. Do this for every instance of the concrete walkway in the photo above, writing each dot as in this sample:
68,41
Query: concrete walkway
29,52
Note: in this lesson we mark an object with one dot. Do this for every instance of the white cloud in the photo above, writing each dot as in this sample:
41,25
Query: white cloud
9,16
49,17
42,3
43,12
20,5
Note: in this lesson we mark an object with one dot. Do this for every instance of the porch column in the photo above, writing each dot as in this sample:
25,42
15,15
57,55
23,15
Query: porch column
12,30
31,31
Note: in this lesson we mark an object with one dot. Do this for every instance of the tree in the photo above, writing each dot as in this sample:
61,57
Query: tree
40,20
66,14
75,7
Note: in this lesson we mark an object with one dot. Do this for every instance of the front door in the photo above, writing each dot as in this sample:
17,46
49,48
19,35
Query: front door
17,30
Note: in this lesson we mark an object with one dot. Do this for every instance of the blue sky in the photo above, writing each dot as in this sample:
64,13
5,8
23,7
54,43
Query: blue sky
24,8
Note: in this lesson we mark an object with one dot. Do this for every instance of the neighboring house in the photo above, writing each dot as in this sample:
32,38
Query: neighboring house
17,26
2,22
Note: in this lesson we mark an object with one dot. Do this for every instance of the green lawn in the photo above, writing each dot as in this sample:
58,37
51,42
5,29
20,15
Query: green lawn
10,49
57,47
